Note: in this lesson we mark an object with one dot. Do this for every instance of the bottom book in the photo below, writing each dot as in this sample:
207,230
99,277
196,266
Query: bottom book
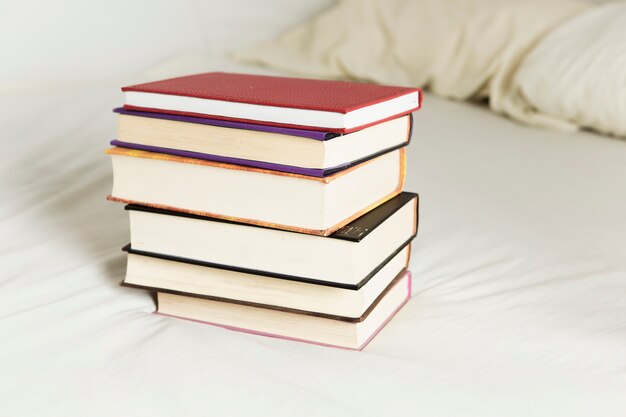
316,328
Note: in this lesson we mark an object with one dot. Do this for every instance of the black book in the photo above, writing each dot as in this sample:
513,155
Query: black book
198,256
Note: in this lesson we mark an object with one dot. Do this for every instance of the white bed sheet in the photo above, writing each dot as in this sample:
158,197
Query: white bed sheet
519,275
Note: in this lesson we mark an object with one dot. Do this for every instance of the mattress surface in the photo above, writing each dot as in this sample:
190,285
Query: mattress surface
519,279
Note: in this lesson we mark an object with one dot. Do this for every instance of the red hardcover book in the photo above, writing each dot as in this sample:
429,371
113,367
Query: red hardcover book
333,106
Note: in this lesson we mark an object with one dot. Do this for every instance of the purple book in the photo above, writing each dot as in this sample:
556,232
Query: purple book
309,134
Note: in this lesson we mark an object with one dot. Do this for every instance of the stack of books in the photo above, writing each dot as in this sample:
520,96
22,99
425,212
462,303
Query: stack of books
269,205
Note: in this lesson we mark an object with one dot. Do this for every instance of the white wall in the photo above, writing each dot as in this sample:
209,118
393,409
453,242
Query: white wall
73,40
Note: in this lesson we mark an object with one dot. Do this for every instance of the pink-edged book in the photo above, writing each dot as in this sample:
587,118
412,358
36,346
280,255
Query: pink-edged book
289,324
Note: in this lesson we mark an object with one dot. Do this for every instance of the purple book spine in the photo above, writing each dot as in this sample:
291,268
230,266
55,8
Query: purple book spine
311,172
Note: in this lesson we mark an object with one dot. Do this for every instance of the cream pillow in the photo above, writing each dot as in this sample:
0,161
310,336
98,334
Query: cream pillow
457,48
577,73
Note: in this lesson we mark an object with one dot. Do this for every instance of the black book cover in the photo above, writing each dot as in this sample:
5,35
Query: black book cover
354,232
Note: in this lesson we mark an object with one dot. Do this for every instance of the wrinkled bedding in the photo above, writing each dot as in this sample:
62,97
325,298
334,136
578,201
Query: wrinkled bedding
557,64
519,269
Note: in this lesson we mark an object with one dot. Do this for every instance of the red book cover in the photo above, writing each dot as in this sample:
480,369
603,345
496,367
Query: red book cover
325,102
